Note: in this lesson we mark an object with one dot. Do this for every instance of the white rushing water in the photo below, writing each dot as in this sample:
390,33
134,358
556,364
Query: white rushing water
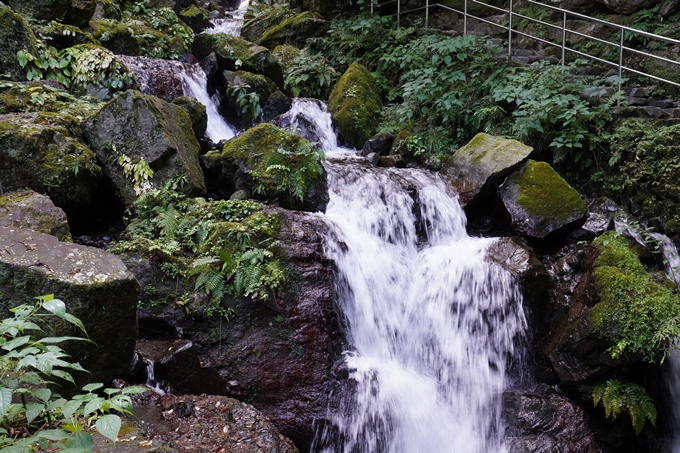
310,119
195,83
430,321
232,23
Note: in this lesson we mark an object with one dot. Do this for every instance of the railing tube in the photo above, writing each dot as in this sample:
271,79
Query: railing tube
618,99
510,35
398,12
564,37
427,13
465,18
371,7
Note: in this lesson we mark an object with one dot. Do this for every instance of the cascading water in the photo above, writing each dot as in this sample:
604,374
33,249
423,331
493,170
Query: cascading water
195,83
311,120
431,322
231,24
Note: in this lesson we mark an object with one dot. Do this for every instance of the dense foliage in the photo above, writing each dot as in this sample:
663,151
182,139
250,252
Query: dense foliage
633,399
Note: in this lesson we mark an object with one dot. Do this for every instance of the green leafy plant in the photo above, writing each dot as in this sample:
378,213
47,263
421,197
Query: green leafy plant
293,170
310,76
35,417
140,173
248,100
633,399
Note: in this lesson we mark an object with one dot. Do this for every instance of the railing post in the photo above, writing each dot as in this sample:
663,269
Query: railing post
398,12
465,18
618,99
564,38
371,7
510,35
427,12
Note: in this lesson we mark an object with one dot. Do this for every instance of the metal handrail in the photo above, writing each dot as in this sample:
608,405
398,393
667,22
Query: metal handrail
564,28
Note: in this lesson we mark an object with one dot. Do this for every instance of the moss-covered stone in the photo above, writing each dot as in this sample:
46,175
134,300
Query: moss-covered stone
195,17
235,53
94,284
354,105
44,95
539,201
261,17
286,53
32,211
197,113
145,127
45,152
62,36
15,35
135,37
106,9
243,83
295,30
245,159
635,305
41,9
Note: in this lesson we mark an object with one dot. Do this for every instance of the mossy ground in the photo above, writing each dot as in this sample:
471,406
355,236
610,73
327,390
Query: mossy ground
635,306
544,193
355,105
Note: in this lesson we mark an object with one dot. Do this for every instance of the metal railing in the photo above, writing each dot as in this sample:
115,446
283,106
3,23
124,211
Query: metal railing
563,28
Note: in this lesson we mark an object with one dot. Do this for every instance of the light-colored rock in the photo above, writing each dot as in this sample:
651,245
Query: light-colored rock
32,211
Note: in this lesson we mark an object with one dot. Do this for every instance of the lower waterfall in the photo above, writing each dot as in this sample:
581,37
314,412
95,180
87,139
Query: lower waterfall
431,322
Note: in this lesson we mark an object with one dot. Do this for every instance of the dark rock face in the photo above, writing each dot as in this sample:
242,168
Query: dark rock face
539,202
145,127
546,423
15,35
156,77
80,12
379,144
32,211
41,9
95,285
197,113
274,355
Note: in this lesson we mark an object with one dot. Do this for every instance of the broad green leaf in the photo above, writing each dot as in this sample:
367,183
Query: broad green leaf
92,387
109,425
70,408
53,340
55,306
64,375
80,440
42,394
53,434
75,321
56,403
33,410
15,343
134,389
5,400
93,406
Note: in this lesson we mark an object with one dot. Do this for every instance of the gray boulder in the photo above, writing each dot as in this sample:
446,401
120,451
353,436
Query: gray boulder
95,285
32,211
45,152
145,127
538,201
46,10
15,35
477,169
197,113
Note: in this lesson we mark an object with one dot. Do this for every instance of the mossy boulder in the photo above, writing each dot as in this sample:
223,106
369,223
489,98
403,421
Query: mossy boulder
235,53
41,9
106,9
635,305
354,105
195,17
95,286
197,113
45,152
30,210
136,37
61,36
261,17
477,169
80,12
144,127
295,30
15,35
243,164
245,83
48,95
539,201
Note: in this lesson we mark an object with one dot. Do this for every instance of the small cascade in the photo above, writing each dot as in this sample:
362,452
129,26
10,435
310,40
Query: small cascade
232,23
151,382
311,120
430,320
195,83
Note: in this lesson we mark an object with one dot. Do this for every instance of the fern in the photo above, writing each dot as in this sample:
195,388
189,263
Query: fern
617,397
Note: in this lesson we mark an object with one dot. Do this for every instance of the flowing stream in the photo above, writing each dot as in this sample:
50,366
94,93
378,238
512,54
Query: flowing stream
430,321
231,24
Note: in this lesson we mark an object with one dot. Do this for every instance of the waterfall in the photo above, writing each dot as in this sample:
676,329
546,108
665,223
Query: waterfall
231,24
195,83
311,120
430,321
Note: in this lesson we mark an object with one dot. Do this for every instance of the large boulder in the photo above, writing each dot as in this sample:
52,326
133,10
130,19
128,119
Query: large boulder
80,12
46,10
235,53
243,83
145,128
477,169
95,285
546,422
261,17
197,113
355,106
45,152
295,30
539,202
156,76
15,35
243,164
32,211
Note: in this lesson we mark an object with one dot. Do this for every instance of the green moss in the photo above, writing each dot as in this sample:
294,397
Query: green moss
544,193
634,308
295,30
355,105
189,14
261,17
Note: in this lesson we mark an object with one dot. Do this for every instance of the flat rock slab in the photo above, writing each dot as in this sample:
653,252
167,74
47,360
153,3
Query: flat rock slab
478,168
95,285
